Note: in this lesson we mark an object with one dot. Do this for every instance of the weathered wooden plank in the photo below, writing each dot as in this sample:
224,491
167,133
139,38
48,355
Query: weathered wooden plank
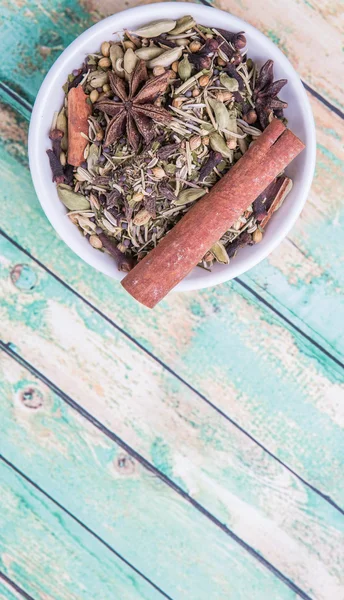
305,274
7,592
201,335
305,32
190,442
117,497
51,556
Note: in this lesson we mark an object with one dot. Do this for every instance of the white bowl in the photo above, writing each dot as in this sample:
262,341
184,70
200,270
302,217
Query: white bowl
260,48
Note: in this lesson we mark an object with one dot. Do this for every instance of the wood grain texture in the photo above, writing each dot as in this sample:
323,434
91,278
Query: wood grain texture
50,556
191,443
118,498
308,36
7,592
201,334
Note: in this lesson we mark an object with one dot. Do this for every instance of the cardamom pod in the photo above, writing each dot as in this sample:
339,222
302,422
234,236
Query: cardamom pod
142,217
98,78
184,69
229,83
129,62
220,113
149,52
116,57
92,158
218,144
61,124
189,195
155,28
70,199
183,24
167,58
219,252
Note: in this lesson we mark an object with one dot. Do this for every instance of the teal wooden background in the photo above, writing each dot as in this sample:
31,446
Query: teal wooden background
194,451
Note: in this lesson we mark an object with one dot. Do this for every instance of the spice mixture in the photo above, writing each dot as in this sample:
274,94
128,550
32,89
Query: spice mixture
169,110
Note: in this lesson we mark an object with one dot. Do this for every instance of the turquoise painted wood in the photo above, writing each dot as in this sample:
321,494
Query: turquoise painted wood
200,336
223,482
50,556
128,505
7,592
273,369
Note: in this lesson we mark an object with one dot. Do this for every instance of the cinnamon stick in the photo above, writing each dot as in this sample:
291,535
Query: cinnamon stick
185,245
78,113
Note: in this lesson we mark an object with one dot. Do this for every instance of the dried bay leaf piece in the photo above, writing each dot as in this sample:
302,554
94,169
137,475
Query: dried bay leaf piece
231,84
70,199
155,28
219,252
189,195
183,24
167,58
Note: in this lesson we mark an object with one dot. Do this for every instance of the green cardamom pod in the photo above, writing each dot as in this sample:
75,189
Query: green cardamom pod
189,195
219,252
231,84
70,199
98,78
218,144
220,113
61,124
167,58
155,28
183,24
149,52
129,62
184,69
116,57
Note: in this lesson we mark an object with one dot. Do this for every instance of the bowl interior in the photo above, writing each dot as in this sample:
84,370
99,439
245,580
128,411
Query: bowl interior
260,48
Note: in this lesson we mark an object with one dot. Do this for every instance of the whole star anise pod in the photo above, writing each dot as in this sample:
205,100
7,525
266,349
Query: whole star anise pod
135,109
265,94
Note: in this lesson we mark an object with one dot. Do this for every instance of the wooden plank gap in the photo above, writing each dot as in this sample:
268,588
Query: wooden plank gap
147,465
83,525
325,497
16,587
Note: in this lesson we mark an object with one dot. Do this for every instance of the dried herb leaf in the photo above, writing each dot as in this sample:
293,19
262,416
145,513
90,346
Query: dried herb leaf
142,217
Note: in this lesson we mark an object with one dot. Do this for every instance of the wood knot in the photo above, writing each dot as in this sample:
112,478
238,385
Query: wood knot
125,464
23,277
31,397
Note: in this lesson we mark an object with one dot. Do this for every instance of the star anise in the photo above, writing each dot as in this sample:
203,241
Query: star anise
135,109
265,94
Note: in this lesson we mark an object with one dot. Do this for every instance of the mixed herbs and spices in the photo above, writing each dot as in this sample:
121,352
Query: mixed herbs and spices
173,106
